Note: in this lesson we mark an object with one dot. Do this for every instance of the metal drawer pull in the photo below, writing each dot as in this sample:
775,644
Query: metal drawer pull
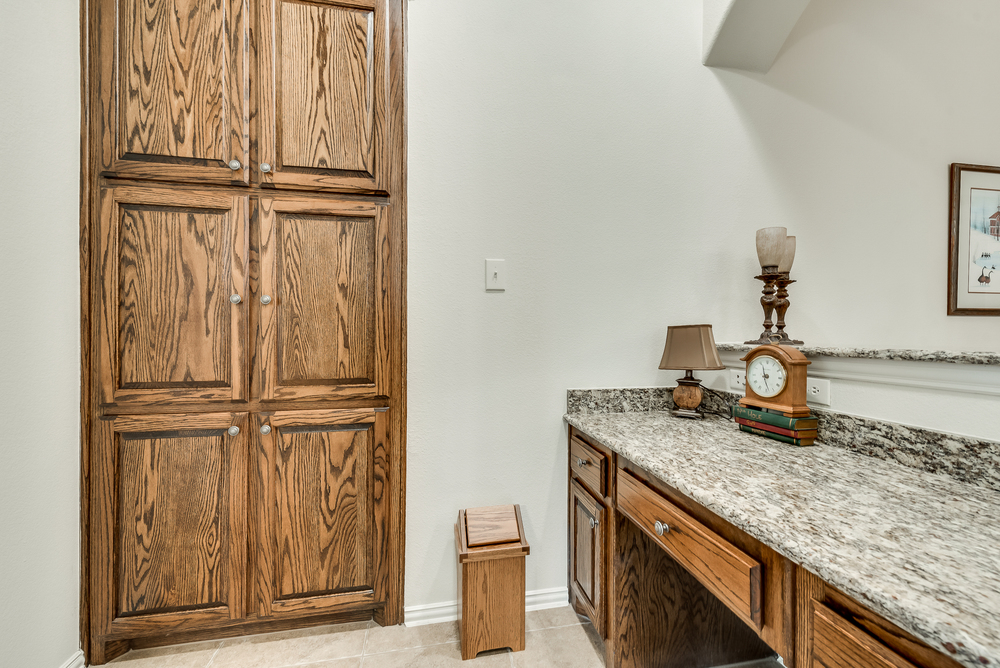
661,528
235,164
593,523
234,430
582,462
266,429
265,300
265,167
236,299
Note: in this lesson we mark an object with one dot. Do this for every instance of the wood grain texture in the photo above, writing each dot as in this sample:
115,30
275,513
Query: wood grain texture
589,466
855,620
778,573
726,571
169,545
315,490
175,98
167,267
838,644
324,96
491,525
666,618
587,556
324,266
492,606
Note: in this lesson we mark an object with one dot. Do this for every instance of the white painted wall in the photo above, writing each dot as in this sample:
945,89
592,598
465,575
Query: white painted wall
39,332
622,181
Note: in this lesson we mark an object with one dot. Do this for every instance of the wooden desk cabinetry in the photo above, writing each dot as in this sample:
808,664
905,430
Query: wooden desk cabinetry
704,593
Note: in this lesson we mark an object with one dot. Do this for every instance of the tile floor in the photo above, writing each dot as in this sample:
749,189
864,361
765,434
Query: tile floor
556,638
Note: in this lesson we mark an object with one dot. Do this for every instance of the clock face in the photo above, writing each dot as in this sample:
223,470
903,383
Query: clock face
766,376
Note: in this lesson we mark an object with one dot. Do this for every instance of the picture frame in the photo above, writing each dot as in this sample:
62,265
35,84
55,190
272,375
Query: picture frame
974,240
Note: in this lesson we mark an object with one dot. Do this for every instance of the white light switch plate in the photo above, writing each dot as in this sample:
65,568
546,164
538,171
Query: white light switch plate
496,276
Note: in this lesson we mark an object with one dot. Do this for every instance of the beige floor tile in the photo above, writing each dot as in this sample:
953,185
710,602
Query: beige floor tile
352,662
551,618
438,656
390,638
564,647
192,655
289,648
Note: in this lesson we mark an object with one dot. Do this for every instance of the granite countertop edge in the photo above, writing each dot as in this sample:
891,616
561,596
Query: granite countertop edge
909,355
938,633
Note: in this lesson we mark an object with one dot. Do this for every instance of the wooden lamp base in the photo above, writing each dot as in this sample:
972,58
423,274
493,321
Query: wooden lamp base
687,397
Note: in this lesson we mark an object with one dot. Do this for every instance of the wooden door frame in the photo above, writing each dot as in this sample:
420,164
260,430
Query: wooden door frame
392,612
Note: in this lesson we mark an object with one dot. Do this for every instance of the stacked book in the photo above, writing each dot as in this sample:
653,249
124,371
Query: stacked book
760,421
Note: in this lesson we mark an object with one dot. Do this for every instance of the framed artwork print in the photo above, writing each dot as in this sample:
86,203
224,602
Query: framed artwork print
974,241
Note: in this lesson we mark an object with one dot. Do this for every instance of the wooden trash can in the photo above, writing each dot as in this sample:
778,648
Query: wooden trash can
491,551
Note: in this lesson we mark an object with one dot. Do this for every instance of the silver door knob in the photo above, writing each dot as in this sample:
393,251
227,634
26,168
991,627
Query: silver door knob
236,299
234,430
661,528
265,167
265,299
235,164
593,523
266,429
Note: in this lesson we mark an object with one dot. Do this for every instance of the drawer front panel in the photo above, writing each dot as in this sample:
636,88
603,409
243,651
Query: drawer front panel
589,466
730,574
839,644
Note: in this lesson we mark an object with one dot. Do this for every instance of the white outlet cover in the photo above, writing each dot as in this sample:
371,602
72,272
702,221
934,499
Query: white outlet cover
737,379
818,391
496,276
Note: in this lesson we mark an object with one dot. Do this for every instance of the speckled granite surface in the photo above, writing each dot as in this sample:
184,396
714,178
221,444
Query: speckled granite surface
884,354
922,550
968,460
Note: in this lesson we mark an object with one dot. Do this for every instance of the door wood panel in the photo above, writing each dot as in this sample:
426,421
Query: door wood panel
170,535
324,333
168,264
320,494
324,94
175,89
587,554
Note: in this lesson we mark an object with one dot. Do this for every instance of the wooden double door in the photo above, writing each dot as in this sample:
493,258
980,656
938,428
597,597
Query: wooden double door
243,249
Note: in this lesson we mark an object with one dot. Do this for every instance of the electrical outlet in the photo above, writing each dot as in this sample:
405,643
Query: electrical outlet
818,391
737,379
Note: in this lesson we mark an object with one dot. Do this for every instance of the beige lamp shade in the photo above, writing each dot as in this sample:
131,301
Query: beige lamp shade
690,348
771,247
788,257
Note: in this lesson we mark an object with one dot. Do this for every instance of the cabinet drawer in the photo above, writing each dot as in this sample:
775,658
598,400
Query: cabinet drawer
839,644
727,572
588,465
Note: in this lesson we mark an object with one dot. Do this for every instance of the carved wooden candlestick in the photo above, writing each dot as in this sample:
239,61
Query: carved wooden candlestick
781,306
768,303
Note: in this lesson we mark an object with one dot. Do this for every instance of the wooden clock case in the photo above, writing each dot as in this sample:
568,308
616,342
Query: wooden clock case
791,401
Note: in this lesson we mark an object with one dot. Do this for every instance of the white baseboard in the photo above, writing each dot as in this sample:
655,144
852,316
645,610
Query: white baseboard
435,613
75,661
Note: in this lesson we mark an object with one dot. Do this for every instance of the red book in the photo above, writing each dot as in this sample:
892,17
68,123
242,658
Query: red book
791,433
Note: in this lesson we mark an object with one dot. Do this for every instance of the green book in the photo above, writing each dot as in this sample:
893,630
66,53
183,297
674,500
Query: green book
795,424
777,437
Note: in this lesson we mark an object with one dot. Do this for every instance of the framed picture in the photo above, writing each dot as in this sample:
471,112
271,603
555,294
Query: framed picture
974,241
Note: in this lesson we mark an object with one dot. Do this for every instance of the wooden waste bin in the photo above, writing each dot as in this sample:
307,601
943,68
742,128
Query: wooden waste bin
491,551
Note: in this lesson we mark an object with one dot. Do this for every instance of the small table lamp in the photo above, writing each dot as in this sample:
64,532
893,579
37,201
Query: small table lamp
690,348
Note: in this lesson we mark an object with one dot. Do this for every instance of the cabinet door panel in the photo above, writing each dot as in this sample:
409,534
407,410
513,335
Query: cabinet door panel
170,504
323,266
587,554
321,476
169,264
324,93
175,89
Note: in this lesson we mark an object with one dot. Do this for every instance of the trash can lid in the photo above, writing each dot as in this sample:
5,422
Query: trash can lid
491,525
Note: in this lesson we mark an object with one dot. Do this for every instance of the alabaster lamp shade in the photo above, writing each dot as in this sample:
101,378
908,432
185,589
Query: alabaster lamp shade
690,348
771,248
788,257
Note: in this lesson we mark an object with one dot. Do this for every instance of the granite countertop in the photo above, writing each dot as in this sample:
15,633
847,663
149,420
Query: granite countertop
950,357
920,549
